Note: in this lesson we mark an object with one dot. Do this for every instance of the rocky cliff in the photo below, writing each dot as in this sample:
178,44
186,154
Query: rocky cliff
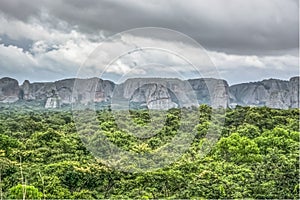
154,93
272,93
210,91
62,92
9,90
153,96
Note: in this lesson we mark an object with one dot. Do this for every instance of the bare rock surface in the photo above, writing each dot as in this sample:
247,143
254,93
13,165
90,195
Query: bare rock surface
272,93
9,90
154,93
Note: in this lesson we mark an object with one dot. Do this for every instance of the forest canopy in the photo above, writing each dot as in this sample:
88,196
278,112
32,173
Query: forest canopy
43,155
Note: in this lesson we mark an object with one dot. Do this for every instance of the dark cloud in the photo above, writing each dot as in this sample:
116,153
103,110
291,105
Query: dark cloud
44,40
25,44
19,9
232,26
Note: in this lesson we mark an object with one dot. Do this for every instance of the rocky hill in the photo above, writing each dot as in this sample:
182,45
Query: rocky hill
153,93
272,93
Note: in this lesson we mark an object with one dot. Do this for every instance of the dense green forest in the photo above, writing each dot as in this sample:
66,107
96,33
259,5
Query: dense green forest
44,156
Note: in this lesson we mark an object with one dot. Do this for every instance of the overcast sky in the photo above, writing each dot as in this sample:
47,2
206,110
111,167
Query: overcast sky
247,40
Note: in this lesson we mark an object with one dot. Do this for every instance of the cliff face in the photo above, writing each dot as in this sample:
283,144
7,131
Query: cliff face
213,92
85,91
154,93
154,96
294,92
9,90
62,92
273,93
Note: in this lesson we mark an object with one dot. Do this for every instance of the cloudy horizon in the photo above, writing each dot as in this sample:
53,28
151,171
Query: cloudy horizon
246,40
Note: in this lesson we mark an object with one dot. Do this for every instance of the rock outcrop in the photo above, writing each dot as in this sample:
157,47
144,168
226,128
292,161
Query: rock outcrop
294,92
210,91
37,91
62,92
272,93
9,90
154,93
91,90
52,102
153,96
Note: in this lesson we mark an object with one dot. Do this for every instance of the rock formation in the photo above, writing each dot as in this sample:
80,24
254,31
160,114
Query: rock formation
294,92
62,91
86,91
272,93
52,102
154,96
9,90
154,93
210,91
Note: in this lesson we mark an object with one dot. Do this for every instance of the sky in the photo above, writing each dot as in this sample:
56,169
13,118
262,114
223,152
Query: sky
239,41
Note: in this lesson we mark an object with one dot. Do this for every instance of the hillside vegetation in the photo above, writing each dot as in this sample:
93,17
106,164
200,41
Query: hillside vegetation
43,155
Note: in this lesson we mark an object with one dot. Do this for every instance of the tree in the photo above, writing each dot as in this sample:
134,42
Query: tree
24,192
238,149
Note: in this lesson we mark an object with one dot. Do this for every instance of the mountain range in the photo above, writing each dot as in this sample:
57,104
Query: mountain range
153,93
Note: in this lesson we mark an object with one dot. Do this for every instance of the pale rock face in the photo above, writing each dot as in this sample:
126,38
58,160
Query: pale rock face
213,92
64,90
158,93
52,102
155,93
273,93
162,104
154,96
86,90
9,90
294,92
25,87
92,90
278,99
37,91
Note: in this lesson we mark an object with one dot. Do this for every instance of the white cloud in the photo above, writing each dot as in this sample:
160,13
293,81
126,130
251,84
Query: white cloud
58,53
53,53
231,26
12,56
229,61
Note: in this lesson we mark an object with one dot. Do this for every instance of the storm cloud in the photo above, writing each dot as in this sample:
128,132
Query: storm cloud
234,26
53,38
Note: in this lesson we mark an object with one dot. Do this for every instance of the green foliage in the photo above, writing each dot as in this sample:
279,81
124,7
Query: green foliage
238,149
256,156
24,191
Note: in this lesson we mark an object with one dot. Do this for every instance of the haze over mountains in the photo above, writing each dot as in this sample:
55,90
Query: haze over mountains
153,93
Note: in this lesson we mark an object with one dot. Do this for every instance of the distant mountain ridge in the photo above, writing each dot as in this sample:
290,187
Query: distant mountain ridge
154,93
